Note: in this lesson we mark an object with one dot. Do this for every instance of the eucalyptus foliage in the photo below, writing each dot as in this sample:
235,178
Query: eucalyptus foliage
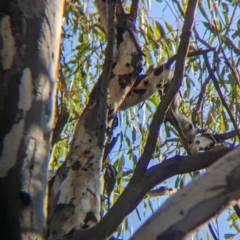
159,25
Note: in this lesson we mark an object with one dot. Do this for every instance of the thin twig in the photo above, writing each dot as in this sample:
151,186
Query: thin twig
182,136
234,73
191,54
200,101
212,231
225,136
109,146
194,29
134,9
217,87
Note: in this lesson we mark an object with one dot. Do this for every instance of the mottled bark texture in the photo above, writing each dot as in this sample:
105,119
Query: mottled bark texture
29,53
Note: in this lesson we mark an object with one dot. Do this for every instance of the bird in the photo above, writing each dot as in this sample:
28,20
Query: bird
109,181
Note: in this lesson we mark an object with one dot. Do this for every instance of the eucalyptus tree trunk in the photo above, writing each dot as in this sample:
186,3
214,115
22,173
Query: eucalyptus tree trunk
29,55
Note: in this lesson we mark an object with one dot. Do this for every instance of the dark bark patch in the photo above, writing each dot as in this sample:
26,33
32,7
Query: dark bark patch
90,217
110,112
120,32
140,91
25,198
86,151
90,164
113,66
91,157
85,169
90,140
158,71
112,73
171,235
124,80
181,212
19,115
64,175
129,94
61,206
76,166
233,180
159,85
139,79
85,226
145,83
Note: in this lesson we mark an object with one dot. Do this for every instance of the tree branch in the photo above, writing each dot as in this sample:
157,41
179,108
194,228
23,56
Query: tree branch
212,231
220,137
215,82
167,99
134,193
105,77
200,100
134,9
213,191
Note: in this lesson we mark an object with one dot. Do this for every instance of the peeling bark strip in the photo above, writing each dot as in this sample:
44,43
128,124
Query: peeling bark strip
186,209
30,38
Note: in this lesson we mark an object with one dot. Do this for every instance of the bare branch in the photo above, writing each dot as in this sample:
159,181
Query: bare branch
109,146
105,77
212,231
213,191
135,192
220,137
134,9
102,9
233,69
200,100
216,85
185,138
234,72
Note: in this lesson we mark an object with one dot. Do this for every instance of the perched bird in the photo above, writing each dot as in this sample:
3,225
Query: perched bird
109,180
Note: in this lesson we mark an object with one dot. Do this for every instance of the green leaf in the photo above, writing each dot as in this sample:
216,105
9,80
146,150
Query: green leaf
229,235
160,29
